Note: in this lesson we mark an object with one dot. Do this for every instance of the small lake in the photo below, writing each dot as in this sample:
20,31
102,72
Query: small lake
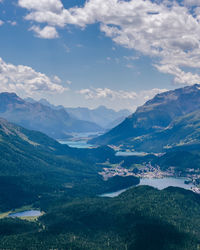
87,135
29,213
157,183
79,140
130,153
77,144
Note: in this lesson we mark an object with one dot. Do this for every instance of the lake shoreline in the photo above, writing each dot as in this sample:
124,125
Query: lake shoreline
156,183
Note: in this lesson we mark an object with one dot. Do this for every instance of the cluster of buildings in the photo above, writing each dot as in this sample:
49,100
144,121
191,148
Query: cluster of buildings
193,176
147,171
113,171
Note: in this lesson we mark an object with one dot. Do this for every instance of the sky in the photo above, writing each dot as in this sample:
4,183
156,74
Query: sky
117,53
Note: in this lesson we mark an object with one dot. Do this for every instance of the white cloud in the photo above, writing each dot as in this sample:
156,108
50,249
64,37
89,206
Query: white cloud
57,79
181,77
1,22
47,32
107,93
47,5
167,32
149,94
69,82
12,23
24,79
119,98
131,58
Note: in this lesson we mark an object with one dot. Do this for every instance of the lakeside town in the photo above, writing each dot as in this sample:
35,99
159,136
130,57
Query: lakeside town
151,172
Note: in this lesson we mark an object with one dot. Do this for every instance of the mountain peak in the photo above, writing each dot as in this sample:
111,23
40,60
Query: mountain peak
9,94
7,100
37,116
155,115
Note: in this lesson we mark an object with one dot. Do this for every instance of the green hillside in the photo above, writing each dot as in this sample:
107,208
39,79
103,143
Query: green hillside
34,167
184,131
142,218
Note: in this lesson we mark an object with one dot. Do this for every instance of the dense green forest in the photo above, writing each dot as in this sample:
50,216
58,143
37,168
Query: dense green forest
141,218
35,168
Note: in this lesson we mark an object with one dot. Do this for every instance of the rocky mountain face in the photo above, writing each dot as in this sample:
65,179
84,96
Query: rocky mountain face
36,116
158,120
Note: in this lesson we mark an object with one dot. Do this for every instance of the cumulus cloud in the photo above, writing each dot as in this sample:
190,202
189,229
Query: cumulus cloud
167,31
47,32
106,93
24,79
119,98
181,77
1,22
38,5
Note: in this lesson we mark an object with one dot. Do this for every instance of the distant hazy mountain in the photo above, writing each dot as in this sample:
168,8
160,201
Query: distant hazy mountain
160,122
36,116
44,102
107,118
104,117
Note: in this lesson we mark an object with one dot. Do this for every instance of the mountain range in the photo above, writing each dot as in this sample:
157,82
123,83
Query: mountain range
168,120
36,116
103,116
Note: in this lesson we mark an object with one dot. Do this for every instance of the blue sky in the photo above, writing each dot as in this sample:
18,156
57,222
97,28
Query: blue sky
108,52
